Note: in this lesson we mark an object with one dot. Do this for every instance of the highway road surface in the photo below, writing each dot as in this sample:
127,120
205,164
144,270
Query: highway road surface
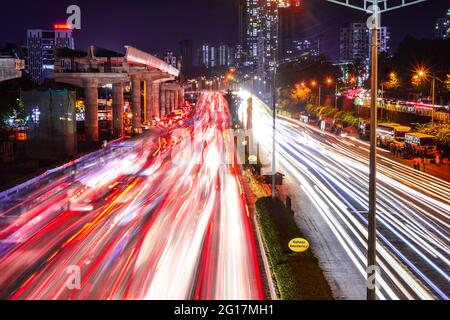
329,179
161,217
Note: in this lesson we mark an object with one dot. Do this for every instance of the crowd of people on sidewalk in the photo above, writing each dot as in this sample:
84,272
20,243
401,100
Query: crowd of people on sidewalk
420,157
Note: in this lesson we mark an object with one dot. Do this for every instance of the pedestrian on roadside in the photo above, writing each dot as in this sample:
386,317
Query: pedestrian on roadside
438,158
416,163
393,149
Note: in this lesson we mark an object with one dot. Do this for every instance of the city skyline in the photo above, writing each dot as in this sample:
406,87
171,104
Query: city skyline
220,17
214,150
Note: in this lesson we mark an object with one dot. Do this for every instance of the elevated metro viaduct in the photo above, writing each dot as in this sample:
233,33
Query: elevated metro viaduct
99,67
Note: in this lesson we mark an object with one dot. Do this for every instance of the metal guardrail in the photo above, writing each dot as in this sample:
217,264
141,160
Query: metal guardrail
30,183
441,116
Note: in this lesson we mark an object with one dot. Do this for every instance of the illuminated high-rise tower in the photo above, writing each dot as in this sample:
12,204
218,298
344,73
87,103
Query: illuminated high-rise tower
442,27
267,24
40,47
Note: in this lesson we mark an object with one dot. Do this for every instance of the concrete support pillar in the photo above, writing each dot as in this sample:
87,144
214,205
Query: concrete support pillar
150,101
91,112
174,99
177,99
163,101
136,105
156,100
181,97
168,102
118,104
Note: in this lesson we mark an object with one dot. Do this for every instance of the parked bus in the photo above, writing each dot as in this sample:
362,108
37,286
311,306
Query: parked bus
389,133
420,143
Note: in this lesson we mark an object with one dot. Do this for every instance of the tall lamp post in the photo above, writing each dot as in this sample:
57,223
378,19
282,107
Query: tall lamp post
424,74
316,84
274,106
372,7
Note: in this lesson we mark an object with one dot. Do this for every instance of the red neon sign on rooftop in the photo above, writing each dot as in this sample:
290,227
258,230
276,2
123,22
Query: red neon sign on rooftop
62,26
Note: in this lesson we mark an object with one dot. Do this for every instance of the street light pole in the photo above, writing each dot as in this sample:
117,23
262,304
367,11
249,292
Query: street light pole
274,141
274,106
372,227
336,96
373,8
382,101
320,94
433,89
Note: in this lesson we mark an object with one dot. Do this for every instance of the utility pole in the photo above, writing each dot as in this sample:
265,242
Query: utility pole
433,89
320,94
274,141
274,106
382,100
372,228
371,7
336,96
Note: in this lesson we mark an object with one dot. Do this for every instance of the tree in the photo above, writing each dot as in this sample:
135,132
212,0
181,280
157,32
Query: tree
393,82
305,70
301,93
16,116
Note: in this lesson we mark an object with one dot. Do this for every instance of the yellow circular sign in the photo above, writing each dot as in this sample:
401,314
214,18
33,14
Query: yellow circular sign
299,245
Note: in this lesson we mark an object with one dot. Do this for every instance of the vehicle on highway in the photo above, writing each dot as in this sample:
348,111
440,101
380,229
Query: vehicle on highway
420,143
304,118
443,109
332,125
364,130
392,133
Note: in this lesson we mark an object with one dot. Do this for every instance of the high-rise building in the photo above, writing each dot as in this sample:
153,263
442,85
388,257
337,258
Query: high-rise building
225,56
303,46
242,22
187,57
442,27
212,57
271,30
41,45
355,42
255,20
290,28
271,26
207,56
203,56
172,59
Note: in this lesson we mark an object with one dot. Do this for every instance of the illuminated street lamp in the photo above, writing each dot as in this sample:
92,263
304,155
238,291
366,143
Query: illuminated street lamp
314,84
423,74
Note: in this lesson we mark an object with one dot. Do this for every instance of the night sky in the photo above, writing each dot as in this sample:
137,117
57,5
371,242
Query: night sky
159,25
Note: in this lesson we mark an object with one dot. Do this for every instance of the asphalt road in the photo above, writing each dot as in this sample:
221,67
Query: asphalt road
328,176
160,217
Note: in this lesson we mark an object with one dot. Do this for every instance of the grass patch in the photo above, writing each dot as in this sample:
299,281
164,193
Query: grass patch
298,275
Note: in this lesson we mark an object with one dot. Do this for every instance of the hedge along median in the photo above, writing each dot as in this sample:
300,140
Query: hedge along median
298,275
